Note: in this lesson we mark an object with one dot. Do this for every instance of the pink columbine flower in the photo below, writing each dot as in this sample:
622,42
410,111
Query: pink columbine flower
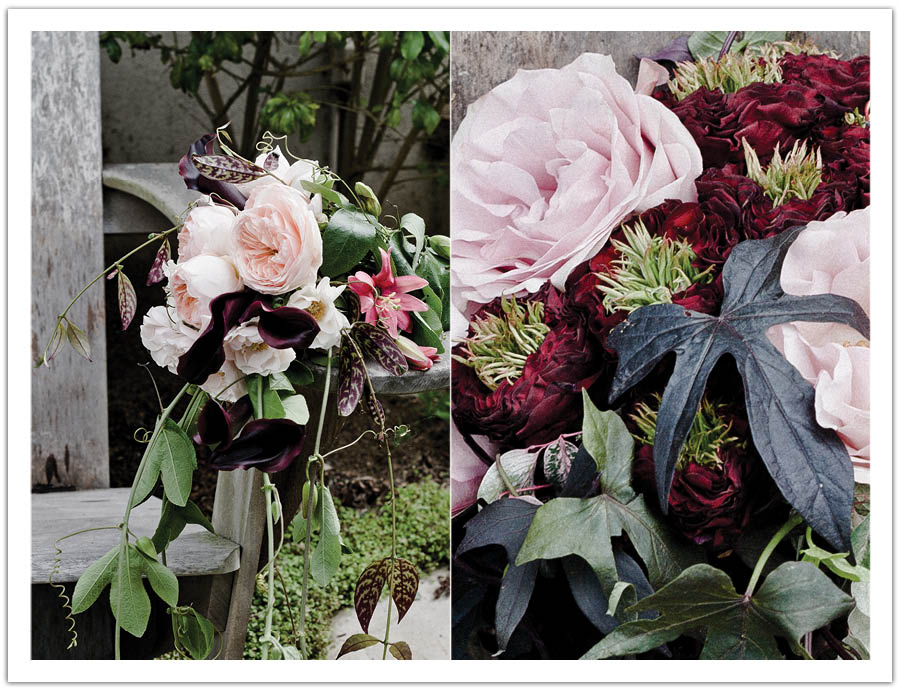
385,299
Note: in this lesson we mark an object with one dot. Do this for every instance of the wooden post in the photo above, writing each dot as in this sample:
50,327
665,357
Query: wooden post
69,443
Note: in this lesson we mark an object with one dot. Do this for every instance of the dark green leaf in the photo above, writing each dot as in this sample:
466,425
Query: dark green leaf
441,40
425,117
94,579
162,580
611,445
358,641
129,601
170,525
427,329
266,402
145,546
326,557
348,237
411,43
173,452
304,43
809,464
299,375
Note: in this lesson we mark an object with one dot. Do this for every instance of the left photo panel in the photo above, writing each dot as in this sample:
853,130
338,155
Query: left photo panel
240,316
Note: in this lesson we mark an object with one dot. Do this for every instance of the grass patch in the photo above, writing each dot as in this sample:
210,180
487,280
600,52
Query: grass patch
423,537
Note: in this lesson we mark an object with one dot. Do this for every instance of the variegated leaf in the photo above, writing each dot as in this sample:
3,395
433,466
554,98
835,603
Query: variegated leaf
406,585
163,254
368,590
400,650
79,340
377,344
227,168
558,457
358,641
56,340
127,300
351,377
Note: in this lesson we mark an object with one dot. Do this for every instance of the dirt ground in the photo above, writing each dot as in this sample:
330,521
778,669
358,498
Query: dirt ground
357,477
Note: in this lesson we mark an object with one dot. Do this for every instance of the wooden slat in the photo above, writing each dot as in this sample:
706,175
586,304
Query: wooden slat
53,515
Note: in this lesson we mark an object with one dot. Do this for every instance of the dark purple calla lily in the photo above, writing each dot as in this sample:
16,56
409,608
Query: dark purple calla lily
281,327
267,445
193,180
215,425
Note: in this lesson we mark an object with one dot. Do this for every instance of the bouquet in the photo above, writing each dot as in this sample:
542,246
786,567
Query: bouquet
282,271
661,369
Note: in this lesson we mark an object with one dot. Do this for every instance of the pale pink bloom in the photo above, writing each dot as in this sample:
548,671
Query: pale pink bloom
206,230
419,357
251,355
278,246
228,384
291,174
167,339
832,256
547,164
466,469
384,298
194,283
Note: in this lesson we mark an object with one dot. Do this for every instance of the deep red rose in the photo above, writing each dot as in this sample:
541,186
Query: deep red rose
545,401
701,297
845,82
840,193
845,148
707,115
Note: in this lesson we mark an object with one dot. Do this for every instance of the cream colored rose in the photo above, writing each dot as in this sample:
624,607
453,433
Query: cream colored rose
194,283
251,355
206,230
319,302
167,339
278,246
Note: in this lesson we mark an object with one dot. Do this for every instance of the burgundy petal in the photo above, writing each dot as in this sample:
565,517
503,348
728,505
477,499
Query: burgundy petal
193,180
268,445
213,425
283,327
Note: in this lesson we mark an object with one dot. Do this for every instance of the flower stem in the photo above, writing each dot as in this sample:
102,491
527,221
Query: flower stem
795,520
123,545
270,587
387,628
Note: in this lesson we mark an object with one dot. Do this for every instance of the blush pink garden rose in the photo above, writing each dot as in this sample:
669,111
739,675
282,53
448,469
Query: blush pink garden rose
291,174
547,164
206,230
251,355
194,283
277,243
832,256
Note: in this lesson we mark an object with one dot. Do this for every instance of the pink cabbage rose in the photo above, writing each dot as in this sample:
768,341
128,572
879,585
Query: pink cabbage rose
832,256
194,283
547,164
277,243
206,230
466,470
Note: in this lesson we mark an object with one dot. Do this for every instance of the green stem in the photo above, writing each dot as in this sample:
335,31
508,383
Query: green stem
795,520
387,628
308,540
123,545
505,478
270,589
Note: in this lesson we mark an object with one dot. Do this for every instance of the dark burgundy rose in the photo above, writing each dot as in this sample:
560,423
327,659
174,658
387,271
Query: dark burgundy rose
701,297
267,445
545,401
845,149
707,115
840,193
845,82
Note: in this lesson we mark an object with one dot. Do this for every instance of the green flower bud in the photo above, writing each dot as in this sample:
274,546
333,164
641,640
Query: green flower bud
367,197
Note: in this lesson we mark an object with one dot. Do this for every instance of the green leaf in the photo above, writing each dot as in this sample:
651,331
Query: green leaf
610,444
272,407
400,650
145,546
415,226
193,632
78,340
703,44
348,237
173,452
759,38
129,601
147,481
518,466
427,329
299,375
169,527
94,579
809,464
794,599
358,641
304,43
425,117
440,244
618,592
295,409
411,44
162,580
278,381
327,193
326,557
441,40
859,540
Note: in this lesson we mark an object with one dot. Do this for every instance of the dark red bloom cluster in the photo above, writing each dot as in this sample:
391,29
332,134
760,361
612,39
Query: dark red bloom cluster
844,82
545,401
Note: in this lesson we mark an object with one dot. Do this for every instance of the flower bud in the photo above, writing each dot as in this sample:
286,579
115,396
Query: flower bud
367,197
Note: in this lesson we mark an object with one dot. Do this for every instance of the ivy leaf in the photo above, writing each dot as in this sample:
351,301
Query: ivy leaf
808,463
129,601
94,579
326,557
558,457
794,599
348,237
358,641
608,441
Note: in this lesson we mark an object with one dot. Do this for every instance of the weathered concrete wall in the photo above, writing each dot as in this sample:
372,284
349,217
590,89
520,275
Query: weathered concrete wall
483,59
69,444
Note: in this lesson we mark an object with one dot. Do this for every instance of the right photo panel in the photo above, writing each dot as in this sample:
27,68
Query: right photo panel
660,329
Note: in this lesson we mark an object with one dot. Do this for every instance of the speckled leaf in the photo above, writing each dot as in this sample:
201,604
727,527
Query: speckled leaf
400,650
351,377
79,341
368,590
227,169
163,254
377,344
406,585
127,300
558,457
358,641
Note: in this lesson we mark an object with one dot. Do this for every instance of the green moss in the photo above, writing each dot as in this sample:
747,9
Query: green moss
423,537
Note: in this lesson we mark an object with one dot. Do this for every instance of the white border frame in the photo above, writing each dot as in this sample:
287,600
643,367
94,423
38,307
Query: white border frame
19,25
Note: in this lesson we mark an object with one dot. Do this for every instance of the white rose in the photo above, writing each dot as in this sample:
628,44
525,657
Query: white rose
166,337
319,302
252,355
206,230
228,384
194,283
